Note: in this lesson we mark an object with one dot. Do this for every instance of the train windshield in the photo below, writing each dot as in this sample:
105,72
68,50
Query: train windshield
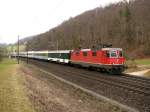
114,54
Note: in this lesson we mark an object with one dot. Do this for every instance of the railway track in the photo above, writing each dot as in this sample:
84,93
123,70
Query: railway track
131,85
132,91
136,78
116,82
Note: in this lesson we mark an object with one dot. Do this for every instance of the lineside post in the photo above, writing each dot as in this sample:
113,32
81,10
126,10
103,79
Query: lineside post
18,50
27,52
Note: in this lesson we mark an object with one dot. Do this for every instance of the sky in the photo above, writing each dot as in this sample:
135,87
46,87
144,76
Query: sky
31,17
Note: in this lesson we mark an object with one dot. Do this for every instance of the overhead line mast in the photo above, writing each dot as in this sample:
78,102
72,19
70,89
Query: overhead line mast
18,50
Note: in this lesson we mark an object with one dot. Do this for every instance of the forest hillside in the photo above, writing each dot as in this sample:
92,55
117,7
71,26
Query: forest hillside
125,25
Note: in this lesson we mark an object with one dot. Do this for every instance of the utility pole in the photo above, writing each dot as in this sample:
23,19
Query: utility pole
27,52
57,44
18,50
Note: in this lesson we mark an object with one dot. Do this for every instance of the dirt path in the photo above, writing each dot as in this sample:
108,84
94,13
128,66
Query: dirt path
139,73
50,95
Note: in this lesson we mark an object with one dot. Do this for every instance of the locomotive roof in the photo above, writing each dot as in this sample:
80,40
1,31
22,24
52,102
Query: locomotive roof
119,49
85,49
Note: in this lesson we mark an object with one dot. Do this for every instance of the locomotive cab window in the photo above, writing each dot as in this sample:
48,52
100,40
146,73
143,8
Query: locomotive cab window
84,53
113,54
120,54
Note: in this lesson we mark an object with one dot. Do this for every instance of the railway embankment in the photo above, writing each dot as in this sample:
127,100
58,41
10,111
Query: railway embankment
128,90
50,94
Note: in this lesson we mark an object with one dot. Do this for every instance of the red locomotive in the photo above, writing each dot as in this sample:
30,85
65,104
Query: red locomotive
104,59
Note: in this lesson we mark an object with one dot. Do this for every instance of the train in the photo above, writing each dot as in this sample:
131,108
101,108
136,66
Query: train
103,59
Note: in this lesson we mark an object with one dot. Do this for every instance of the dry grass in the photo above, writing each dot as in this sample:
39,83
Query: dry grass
12,93
147,74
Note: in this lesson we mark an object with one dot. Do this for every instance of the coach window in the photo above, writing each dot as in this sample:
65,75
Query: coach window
84,53
93,53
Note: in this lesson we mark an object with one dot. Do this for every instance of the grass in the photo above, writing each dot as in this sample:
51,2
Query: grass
136,62
12,93
143,61
131,64
137,65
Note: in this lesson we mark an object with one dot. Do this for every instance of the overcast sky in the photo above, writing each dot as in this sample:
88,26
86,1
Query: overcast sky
31,17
